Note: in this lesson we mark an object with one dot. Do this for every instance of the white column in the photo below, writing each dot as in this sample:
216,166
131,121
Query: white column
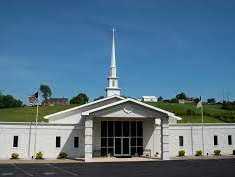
88,138
165,147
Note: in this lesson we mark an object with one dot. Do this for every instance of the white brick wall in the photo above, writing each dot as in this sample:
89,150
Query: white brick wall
46,140
47,135
193,138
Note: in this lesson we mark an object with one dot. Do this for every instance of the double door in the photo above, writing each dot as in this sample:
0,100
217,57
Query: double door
121,138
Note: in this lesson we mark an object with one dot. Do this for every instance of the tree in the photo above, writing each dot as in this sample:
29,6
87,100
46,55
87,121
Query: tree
160,98
173,100
211,101
80,99
8,101
181,96
46,91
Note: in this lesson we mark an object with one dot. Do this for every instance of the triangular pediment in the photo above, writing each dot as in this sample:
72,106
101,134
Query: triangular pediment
129,108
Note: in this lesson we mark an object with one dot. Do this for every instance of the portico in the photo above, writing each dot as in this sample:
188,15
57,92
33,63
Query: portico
125,128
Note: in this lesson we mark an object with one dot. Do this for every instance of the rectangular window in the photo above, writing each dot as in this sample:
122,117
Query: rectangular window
103,128
110,128
215,140
181,141
229,139
15,141
139,129
118,128
133,129
58,141
76,142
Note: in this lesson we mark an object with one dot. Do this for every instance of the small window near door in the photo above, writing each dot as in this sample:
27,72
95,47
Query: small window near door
181,141
58,141
15,141
230,140
215,140
76,142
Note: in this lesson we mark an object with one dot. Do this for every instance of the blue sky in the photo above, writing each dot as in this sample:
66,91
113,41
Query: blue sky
163,47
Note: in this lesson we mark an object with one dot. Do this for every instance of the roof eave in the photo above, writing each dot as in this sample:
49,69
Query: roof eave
81,106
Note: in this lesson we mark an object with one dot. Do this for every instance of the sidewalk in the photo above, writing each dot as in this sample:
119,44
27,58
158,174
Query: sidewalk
112,159
115,159
210,157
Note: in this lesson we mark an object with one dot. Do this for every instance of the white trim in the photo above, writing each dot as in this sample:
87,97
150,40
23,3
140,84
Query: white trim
78,107
170,114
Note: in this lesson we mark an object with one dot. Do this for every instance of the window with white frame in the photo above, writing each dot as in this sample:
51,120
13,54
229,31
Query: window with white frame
181,141
58,142
76,142
230,140
215,140
15,141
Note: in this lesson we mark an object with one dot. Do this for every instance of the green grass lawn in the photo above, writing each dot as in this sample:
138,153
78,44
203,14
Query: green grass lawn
28,114
198,119
189,113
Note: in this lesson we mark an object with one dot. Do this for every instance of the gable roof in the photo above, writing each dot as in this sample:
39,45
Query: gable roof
82,106
170,114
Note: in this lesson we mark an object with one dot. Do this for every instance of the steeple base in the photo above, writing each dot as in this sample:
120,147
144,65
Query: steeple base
113,91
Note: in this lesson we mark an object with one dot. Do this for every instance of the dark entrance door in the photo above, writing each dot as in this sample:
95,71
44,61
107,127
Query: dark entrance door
118,146
121,138
125,146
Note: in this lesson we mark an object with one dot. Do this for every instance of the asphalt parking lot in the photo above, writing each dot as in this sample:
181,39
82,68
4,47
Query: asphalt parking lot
181,168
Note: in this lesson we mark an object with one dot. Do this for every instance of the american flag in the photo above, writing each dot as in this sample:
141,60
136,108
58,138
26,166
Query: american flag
33,99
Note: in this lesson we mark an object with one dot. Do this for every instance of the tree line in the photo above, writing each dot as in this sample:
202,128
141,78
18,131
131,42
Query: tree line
229,105
8,101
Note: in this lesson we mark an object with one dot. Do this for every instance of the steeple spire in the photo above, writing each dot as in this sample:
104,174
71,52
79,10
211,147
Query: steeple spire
113,88
113,59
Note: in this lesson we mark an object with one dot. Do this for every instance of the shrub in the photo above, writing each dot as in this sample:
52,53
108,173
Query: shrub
181,153
198,153
62,155
156,155
39,155
217,152
14,156
234,152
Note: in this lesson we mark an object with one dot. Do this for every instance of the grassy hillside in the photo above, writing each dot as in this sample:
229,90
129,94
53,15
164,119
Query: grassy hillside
189,113
27,114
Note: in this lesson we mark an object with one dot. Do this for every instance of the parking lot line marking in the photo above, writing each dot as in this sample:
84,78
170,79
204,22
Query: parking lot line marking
49,173
7,174
62,170
22,170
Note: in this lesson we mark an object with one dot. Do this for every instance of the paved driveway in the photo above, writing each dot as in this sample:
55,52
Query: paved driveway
181,168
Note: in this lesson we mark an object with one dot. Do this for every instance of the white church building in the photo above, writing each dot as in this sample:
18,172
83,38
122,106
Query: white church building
114,126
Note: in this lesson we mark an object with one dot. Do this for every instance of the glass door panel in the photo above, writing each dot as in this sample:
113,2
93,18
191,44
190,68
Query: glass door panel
118,146
125,146
125,127
118,128
110,128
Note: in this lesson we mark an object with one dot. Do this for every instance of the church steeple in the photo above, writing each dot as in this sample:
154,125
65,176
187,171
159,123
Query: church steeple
113,88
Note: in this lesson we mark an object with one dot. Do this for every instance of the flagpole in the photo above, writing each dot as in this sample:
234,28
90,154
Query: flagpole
36,127
202,131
